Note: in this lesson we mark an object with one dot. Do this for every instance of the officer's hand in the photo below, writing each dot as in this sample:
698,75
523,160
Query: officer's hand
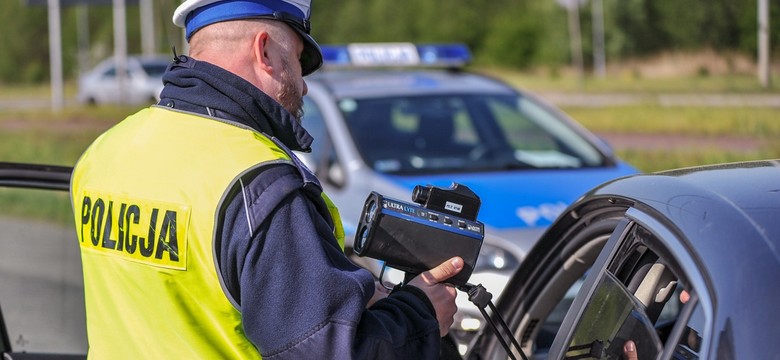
629,351
629,347
442,296
380,292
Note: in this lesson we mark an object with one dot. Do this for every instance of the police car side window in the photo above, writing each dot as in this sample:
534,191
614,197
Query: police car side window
313,122
323,153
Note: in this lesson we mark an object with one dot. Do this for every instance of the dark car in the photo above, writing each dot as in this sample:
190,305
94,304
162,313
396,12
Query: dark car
684,263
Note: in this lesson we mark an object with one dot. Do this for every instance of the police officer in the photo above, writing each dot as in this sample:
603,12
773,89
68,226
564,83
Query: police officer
203,236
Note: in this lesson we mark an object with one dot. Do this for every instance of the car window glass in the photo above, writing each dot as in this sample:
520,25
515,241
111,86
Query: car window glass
323,153
689,344
315,126
41,291
568,143
553,322
112,72
520,130
612,317
462,132
640,297
155,69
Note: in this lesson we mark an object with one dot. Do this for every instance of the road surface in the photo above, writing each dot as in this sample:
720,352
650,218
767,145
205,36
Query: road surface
41,287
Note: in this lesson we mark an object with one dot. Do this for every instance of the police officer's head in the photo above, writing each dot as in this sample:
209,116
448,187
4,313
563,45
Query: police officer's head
194,15
261,41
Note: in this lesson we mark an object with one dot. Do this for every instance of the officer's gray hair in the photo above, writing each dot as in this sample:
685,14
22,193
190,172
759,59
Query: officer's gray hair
223,36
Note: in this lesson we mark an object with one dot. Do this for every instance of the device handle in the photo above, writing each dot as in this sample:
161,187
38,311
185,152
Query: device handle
480,297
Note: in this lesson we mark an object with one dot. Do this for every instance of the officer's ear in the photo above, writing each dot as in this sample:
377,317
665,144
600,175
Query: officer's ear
262,51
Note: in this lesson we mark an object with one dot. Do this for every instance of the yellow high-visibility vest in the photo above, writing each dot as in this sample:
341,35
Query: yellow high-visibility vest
145,197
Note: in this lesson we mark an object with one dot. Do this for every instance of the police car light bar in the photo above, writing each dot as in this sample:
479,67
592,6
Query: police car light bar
395,54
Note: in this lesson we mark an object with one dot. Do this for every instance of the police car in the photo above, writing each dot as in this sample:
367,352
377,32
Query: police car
388,117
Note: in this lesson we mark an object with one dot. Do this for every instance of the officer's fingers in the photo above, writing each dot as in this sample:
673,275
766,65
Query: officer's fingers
443,272
629,351
684,297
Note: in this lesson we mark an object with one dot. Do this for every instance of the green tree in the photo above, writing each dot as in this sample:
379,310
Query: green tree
23,33
513,37
639,21
509,33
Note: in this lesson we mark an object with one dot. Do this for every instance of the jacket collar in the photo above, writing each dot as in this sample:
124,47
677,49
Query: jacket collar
203,88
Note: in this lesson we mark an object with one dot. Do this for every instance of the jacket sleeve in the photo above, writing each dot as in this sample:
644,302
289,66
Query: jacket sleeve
299,296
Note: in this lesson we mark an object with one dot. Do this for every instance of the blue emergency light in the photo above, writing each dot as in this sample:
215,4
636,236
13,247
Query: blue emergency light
395,55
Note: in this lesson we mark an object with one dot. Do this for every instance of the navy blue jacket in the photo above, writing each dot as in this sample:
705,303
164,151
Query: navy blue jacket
299,296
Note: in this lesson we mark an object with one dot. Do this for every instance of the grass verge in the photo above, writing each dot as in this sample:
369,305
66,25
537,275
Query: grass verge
759,126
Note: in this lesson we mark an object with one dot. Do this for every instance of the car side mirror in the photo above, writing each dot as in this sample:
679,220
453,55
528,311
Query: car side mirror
308,160
327,169
335,174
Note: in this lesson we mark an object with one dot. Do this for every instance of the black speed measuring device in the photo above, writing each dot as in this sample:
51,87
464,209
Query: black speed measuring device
415,238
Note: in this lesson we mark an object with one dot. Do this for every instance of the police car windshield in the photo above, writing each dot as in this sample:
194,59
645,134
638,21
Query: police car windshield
463,133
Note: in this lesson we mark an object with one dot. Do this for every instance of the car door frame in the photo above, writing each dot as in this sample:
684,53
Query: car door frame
581,231
598,215
671,246
31,176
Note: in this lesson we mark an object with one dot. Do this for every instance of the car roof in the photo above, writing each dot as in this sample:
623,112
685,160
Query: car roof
726,217
746,194
752,188
359,83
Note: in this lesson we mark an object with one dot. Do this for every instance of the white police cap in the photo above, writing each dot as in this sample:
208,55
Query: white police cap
193,15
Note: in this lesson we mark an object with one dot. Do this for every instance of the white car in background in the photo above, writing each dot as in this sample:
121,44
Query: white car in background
141,85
